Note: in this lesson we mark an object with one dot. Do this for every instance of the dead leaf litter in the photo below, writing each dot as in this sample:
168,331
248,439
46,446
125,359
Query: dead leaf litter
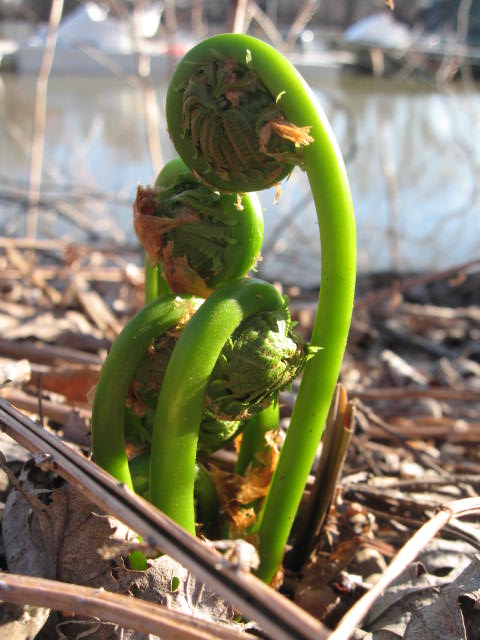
412,373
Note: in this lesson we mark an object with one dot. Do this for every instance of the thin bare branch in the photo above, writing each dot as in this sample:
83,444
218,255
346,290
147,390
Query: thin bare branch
145,617
303,17
415,281
40,115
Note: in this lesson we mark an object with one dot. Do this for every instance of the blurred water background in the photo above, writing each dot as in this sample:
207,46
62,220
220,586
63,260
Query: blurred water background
408,128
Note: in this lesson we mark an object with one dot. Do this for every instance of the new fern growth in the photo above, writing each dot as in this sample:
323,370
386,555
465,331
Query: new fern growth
248,62
200,237
241,118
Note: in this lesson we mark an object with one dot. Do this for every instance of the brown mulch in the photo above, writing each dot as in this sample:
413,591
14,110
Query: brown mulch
412,374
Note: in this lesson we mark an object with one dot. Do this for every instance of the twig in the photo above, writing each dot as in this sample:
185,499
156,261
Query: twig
95,307
424,460
58,413
303,17
150,104
410,283
450,429
254,12
40,117
408,393
278,616
236,21
28,272
46,353
404,557
143,616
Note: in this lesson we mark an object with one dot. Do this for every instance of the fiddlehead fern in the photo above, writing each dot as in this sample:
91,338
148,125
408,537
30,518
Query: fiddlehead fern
227,125
323,163
200,237
182,397
260,358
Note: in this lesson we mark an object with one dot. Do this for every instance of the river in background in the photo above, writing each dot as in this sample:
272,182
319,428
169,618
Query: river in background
412,155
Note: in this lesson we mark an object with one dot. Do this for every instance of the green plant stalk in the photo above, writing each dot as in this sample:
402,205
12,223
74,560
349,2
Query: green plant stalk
332,197
206,498
155,283
180,404
253,437
108,438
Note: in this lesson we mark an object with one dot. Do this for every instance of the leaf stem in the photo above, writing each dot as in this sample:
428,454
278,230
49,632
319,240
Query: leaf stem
108,438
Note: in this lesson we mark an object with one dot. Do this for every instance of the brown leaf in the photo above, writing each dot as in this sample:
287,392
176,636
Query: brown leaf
150,229
62,539
170,584
419,600
79,531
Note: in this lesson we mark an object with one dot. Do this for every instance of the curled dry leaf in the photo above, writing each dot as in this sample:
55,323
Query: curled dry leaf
419,600
151,230
68,540
237,493
171,585
59,539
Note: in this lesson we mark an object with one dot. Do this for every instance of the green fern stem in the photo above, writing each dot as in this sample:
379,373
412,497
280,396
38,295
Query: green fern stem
181,400
126,353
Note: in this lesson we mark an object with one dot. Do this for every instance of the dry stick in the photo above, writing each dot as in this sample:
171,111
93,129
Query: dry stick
406,393
280,617
40,117
303,17
150,107
92,274
58,413
237,18
95,307
409,283
146,617
421,458
450,429
27,271
254,12
61,245
46,353
400,562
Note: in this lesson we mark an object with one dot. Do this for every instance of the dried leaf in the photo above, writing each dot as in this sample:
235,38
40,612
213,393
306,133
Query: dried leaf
26,533
11,450
423,605
72,382
78,533
170,584
60,540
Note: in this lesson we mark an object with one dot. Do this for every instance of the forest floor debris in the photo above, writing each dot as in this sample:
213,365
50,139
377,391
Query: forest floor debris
412,372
